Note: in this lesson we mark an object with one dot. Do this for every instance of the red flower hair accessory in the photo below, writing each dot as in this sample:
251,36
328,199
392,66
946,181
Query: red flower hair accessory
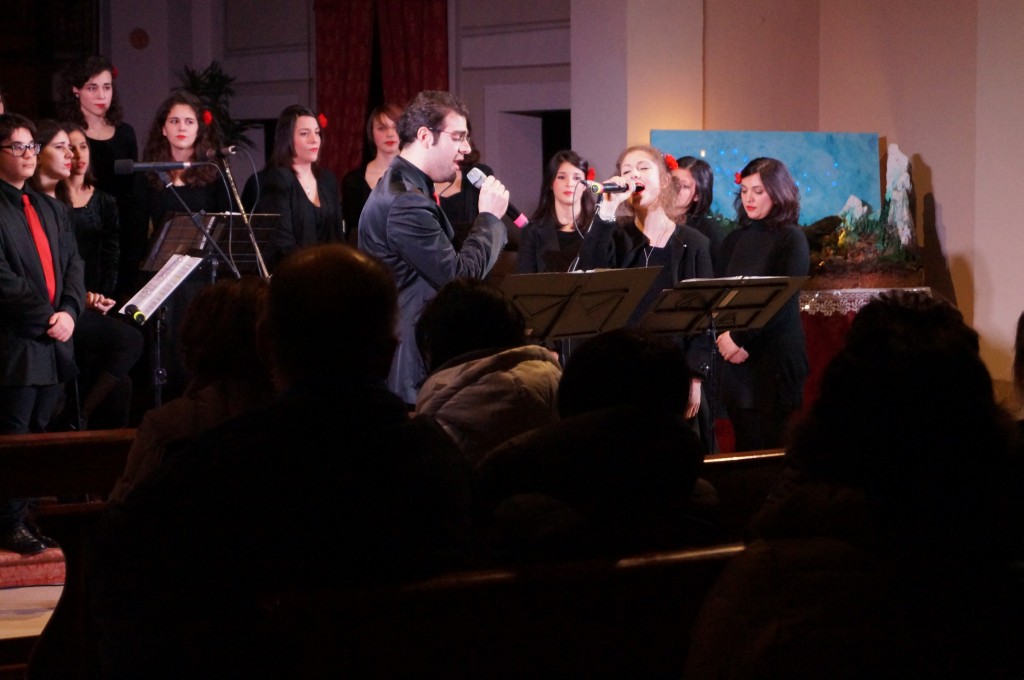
739,178
671,162
322,119
207,117
113,72
591,174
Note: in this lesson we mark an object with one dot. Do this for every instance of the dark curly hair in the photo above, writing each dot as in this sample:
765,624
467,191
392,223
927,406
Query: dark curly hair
76,75
159,149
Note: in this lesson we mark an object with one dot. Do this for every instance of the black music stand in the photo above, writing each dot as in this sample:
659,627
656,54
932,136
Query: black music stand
245,250
180,236
697,305
734,303
570,304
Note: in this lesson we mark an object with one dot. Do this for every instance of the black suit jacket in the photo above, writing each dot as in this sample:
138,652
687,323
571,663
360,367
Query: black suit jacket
27,355
281,193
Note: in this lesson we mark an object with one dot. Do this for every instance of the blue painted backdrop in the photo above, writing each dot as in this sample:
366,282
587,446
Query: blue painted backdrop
827,166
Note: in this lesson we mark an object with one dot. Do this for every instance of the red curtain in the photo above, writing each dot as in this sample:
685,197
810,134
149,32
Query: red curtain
414,57
414,47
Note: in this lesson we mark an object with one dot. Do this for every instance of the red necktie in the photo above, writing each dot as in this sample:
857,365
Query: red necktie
437,199
42,246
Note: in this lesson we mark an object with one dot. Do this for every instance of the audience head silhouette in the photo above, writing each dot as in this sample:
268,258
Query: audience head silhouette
467,315
907,412
330,315
625,368
218,331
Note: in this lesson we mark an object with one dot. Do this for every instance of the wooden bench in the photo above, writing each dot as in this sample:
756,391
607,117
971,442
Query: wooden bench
61,464
743,481
628,618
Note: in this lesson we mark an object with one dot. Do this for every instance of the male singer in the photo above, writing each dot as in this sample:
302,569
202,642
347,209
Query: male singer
402,223
42,292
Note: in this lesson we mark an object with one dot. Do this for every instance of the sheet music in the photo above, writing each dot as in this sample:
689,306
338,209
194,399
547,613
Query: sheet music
163,283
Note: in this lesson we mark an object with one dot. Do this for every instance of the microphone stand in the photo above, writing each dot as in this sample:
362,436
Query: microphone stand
264,272
169,184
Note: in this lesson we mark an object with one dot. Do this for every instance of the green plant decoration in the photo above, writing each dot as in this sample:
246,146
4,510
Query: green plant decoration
214,88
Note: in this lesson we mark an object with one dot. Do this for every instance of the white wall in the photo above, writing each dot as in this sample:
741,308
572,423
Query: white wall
999,144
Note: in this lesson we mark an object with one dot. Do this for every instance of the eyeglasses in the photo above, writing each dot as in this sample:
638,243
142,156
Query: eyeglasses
457,137
19,150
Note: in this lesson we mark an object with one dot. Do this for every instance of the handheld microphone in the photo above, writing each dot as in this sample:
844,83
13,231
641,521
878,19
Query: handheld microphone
614,187
127,166
476,177
222,152
135,314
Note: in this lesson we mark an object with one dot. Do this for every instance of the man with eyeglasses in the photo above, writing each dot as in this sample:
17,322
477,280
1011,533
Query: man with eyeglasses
403,225
42,292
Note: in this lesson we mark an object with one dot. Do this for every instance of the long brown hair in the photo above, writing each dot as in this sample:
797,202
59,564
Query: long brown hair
159,149
76,75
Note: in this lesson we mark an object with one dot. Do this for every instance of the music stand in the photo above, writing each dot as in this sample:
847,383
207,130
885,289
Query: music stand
245,251
569,304
180,236
148,304
734,303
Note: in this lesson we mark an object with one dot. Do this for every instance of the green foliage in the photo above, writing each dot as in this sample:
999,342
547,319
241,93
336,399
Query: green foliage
214,88
865,244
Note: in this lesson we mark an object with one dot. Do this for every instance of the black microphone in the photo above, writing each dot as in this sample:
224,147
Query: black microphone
615,187
127,166
135,314
222,152
476,177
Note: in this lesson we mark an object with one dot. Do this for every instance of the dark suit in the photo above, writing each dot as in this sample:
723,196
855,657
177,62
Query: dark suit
406,229
32,364
28,356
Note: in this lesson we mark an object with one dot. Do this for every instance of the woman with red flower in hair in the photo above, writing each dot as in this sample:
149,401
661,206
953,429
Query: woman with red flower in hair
180,132
86,96
637,228
765,368
293,185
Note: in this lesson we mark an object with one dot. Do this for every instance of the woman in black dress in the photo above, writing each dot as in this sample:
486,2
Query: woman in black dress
181,132
551,241
696,192
356,185
765,368
295,187
86,95
638,228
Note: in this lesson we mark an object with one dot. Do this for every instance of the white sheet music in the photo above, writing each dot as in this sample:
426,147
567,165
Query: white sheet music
163,283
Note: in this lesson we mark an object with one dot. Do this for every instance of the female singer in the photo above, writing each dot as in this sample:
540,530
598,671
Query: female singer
638,229
181,132
765,369
295,187
356,185
178,133
105,348
696,186
86,96
551,241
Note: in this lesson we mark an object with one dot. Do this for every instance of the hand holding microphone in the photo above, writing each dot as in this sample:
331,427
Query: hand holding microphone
613,186
494,197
